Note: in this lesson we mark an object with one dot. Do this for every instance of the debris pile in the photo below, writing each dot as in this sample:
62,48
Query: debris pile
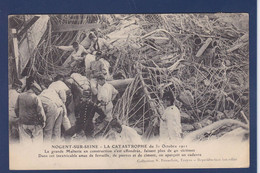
202,59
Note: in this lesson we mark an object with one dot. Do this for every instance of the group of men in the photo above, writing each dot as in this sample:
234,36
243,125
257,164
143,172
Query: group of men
92,51
37,115
40,115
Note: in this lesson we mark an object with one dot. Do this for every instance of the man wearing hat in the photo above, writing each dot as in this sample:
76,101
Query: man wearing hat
170,121
30,112
85,112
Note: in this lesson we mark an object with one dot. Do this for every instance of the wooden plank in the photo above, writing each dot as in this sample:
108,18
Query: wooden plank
74,27
216,125
16,51
28,45
239,43
121,83
204,47
235,47
27,26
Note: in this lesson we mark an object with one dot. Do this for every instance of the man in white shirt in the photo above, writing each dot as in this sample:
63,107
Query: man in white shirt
88,59
106,68
124,133
98,44
54,111
76,56
106,94
64,93
84,40
61,88
170,122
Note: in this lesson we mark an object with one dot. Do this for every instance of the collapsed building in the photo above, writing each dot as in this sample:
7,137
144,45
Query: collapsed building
202,59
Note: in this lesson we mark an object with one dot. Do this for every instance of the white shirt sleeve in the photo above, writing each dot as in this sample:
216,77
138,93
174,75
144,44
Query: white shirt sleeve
114,91
173,120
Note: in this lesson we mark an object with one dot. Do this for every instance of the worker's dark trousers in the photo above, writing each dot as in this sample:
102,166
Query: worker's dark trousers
85,122
87,127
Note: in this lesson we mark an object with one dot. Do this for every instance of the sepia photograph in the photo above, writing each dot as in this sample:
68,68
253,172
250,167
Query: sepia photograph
89,91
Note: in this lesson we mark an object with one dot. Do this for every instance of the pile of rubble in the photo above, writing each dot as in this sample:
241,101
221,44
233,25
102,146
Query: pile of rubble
203,59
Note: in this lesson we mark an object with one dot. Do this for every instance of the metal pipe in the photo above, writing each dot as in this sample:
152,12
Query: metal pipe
197,40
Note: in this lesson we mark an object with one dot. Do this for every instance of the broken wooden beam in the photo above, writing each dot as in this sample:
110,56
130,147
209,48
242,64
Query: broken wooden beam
74,27
172,68
235,47
216,125
16,52
156,31
241,42
27,26
132,36
244,38
151,102
83,81
121,82
203,47
28,45
175,65
244,116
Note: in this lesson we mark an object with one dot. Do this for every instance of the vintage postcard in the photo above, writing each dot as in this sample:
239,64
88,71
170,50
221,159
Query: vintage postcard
129,91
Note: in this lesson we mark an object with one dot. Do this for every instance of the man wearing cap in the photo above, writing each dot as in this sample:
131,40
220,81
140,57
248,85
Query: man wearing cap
106,94
170,121
31,114
85,112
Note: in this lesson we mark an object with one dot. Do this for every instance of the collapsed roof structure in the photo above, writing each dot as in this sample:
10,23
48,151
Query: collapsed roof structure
202,59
